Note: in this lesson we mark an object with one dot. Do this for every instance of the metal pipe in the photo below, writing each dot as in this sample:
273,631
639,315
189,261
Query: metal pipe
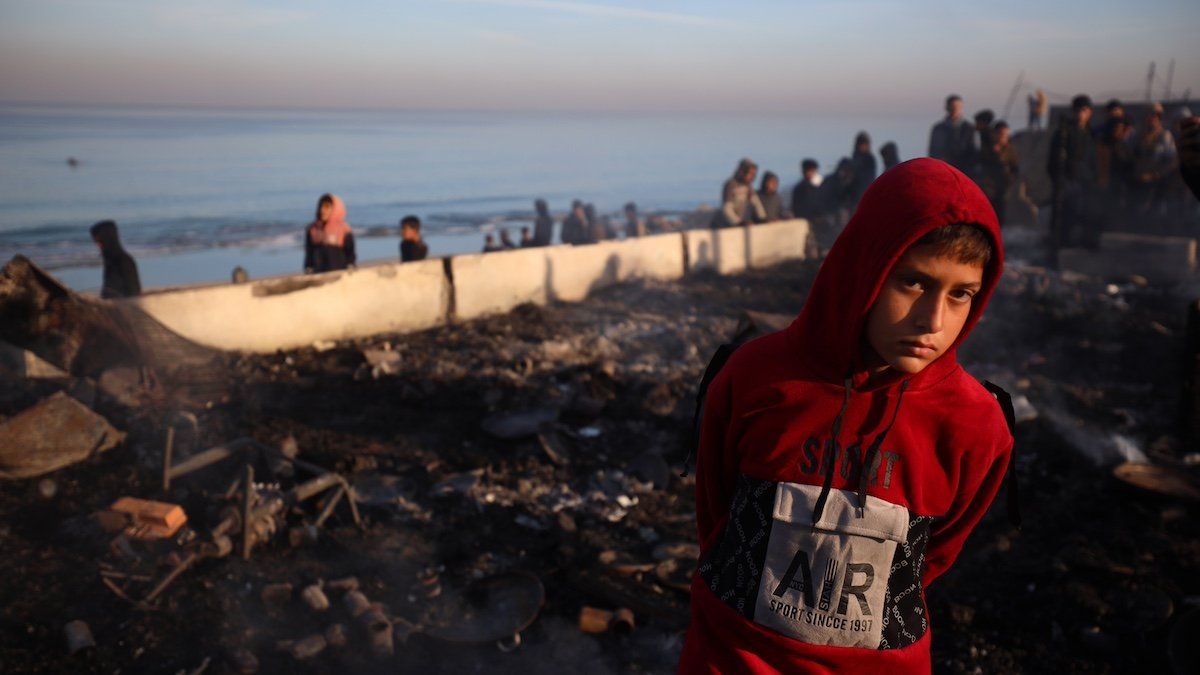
206,458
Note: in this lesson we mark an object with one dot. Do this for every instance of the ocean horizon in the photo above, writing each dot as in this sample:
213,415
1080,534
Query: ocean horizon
199,191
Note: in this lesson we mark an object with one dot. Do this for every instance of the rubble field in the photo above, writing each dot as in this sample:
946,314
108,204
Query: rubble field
535,457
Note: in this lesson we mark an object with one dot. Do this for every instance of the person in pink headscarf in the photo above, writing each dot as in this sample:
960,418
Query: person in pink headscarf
328,241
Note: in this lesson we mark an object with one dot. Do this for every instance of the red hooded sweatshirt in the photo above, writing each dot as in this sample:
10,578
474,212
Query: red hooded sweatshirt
809,564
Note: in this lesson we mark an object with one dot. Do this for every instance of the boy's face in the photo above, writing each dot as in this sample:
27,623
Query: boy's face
921,309
409,232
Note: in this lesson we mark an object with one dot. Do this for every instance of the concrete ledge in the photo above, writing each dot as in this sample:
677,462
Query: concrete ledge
1158,259
288,312
775,242
734,249
490,283
576,271
723,251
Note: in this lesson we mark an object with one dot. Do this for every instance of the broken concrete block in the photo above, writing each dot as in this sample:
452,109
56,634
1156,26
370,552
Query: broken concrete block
57,432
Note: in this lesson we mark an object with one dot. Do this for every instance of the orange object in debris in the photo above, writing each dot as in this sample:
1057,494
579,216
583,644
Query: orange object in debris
151,520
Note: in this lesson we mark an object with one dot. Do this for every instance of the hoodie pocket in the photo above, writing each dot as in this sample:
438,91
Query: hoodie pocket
826,583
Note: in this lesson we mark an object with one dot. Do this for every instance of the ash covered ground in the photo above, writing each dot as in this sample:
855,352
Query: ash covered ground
594,505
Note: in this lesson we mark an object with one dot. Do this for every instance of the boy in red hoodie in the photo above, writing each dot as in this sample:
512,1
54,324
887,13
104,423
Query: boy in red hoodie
844,460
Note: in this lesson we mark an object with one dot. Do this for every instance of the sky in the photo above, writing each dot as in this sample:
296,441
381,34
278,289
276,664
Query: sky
825,57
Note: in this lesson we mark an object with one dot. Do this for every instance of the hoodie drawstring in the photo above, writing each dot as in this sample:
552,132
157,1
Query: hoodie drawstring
868,460
873,451
819,507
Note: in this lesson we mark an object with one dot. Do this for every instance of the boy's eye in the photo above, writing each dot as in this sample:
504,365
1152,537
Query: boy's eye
911,283
962,295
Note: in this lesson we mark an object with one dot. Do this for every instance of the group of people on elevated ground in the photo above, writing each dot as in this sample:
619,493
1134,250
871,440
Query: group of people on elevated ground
1117,170
826,201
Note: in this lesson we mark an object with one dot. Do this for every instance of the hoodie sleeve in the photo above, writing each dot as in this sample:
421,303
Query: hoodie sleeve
981,476
348,248
760,212
716,462
308,251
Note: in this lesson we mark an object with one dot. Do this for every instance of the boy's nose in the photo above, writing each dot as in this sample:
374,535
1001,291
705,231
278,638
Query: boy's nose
930,314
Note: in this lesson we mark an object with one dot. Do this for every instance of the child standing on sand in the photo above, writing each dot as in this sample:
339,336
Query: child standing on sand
328,241
844,460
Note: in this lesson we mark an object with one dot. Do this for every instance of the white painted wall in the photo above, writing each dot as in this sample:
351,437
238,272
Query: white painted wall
288,312
294,311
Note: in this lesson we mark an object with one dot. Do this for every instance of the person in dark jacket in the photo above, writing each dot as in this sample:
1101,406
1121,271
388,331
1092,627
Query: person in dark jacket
890,154
328,241
412,247
543,224
864,164
634,226
806,196
953,139
1072,169
120,271
998,168
575,227
1189,153
768,195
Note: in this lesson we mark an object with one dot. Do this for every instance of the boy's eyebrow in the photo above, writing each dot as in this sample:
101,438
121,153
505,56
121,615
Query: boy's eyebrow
923,277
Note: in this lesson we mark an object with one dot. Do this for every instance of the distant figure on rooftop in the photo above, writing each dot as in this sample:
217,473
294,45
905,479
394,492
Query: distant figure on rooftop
543,224
737,196
953,139
489,244
1037,110
864,164
239,275
328,241
526,238
120,271
412,247
983,134
890,154
768,194
634,227
575,227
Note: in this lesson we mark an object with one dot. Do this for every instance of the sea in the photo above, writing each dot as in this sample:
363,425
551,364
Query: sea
198,192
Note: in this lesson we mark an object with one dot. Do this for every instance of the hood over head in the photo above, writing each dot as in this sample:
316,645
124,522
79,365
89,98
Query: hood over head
901,206
105,234
334,230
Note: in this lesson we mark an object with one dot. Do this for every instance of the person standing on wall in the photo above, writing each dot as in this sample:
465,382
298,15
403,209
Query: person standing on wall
328,241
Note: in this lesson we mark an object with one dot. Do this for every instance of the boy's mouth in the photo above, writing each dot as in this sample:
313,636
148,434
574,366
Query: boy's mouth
918,348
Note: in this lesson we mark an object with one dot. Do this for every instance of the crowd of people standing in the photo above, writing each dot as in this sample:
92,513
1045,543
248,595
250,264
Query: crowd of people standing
1099,174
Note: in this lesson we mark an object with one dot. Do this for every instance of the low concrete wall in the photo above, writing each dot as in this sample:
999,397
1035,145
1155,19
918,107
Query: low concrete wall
1158,259
576,271
489,283
288,312
733,249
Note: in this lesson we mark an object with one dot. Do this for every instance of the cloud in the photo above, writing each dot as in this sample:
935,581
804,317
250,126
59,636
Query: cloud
609,11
